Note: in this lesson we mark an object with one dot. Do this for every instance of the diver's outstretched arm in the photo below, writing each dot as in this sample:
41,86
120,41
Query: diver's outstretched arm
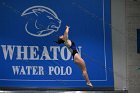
66,33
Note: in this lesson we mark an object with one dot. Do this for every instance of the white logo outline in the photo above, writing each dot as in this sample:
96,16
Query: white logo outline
49,29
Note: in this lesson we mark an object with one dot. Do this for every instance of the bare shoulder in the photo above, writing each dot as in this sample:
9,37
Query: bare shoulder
69,42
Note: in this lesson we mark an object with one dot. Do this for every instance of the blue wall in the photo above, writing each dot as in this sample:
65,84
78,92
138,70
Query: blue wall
89,28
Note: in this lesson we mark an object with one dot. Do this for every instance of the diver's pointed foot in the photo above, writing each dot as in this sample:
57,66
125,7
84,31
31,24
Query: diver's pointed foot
90,85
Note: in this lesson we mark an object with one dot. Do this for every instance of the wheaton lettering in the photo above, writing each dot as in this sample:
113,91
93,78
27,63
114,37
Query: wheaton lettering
16,52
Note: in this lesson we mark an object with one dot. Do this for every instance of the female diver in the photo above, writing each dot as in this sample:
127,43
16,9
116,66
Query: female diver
77,59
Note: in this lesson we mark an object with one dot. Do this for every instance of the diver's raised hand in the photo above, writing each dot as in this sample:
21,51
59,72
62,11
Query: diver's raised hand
67,26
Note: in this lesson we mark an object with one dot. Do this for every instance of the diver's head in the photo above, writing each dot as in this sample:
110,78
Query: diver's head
60,40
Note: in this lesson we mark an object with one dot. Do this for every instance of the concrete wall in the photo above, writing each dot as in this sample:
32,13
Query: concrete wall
133,58
119,39
125,22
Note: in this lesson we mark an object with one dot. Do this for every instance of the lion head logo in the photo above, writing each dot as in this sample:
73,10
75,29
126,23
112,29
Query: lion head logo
42,21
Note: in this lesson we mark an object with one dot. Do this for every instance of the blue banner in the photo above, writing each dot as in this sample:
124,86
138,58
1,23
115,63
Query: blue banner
29,57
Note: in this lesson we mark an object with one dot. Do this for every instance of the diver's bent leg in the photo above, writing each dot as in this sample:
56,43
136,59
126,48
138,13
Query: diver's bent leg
84,71
78,60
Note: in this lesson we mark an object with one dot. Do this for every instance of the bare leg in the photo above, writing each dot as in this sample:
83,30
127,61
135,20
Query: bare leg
80,62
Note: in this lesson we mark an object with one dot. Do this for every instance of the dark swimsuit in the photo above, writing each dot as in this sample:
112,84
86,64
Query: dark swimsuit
71,48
